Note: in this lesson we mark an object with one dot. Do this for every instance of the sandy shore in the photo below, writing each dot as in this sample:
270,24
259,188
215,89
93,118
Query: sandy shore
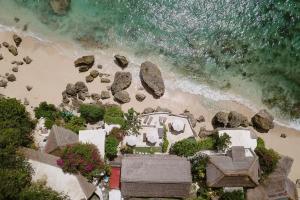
52,69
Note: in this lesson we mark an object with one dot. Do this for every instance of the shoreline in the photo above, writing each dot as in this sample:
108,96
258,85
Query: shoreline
53,68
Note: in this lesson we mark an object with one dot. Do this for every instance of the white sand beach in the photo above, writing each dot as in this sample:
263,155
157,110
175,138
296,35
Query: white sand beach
53,68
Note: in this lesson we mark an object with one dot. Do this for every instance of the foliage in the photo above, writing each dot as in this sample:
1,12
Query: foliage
126,150
49,123
114,115
117,133
48,111
260,142
234,195
165,144
83,158
188,147
76,124
91,113
268,159
222,142
199,169
111,147
133,123
39,191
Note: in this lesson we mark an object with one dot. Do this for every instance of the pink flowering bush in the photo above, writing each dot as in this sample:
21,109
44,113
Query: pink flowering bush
82,158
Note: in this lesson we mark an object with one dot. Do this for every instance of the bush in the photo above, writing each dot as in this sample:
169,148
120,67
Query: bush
222,142
199,170
126,150
49,123
48,111
111,147
132,123
165,143
117,133
83,158
268,159
91,113
76,124
114,115
260,142
234,195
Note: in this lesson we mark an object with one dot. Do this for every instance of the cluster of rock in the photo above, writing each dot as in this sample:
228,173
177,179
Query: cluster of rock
75,91
84,63
122,81
157,109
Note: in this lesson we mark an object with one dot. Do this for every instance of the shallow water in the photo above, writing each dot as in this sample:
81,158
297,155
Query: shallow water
250,47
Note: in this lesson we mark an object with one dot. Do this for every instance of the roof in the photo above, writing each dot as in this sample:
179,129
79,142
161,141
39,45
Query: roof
45,165
235,169
240,137
59,137
114,181
96,137
115,195
155,169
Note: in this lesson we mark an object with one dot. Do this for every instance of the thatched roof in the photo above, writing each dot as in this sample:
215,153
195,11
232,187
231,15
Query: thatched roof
155,176
277,185
87,188
233,169
60,137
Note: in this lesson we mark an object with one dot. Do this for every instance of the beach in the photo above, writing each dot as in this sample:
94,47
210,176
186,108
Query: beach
53,68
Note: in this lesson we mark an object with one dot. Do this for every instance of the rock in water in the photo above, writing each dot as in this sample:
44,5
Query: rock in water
3,83
60,7
220,120
17,39
236,119
27,60
94,73
263,121
122,81
122,97
11,78
121,61
105,95
140,97
13,50
151,79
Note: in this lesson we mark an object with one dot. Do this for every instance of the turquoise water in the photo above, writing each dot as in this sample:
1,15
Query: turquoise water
228,44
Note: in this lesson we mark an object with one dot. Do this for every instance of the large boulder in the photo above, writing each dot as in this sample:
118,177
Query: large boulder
71,90
13,50
60,7
11,78
3,83
121,61
81,87
122,81
94,73
220,120
236,119
151,79
17,39
263,121
89,79
85,61
122,97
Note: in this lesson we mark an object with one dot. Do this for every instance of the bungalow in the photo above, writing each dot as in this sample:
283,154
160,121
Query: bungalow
45,168
234,169
154,176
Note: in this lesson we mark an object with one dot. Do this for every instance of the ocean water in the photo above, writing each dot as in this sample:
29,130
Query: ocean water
247,47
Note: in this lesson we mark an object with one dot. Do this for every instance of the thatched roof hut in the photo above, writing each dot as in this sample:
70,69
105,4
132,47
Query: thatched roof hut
155,176
233,169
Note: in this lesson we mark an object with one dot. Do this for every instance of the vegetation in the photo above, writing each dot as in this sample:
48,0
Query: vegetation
83,158
147,150
111,147
188,147
126,150
49,112
222,142
91,113
234,195
268,159
260,142
165,144
133,123
114,115
76,124
117,133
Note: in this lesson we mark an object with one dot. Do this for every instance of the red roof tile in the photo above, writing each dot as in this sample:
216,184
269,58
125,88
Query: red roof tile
114,182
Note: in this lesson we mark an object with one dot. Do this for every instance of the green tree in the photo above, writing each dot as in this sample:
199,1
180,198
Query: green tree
268,159
111,147
222,142
91,113
133,123
48,111
165,144
114,115
76,124
234,195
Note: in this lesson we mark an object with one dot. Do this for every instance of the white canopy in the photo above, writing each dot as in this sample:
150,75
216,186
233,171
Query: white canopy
152,137
131,140
177,125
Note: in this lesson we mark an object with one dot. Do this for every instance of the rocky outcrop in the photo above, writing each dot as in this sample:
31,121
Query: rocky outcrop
122,81
121,61
94,73
140,97
105,95
122,97
60,7
13,50
151,79
263,121
27,60
17,39
148,110
220,120
236,119
84,63
11,78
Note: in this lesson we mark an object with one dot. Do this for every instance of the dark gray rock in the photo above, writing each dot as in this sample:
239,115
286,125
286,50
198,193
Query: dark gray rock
89,79
95,96
13,50
27,60
11,78
15,69
220,120
60,7
17,39
71,90
105,80
283,135
28,87
204,133
81,87
122,97
99,66
161,109
5,44
236,119
3,83
121,61
263,121
85,61
66,100
200,119
17,62
122,81
94,73
105,95
1,56
191,117
151,79
140,97
82,95
84,68
148,110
